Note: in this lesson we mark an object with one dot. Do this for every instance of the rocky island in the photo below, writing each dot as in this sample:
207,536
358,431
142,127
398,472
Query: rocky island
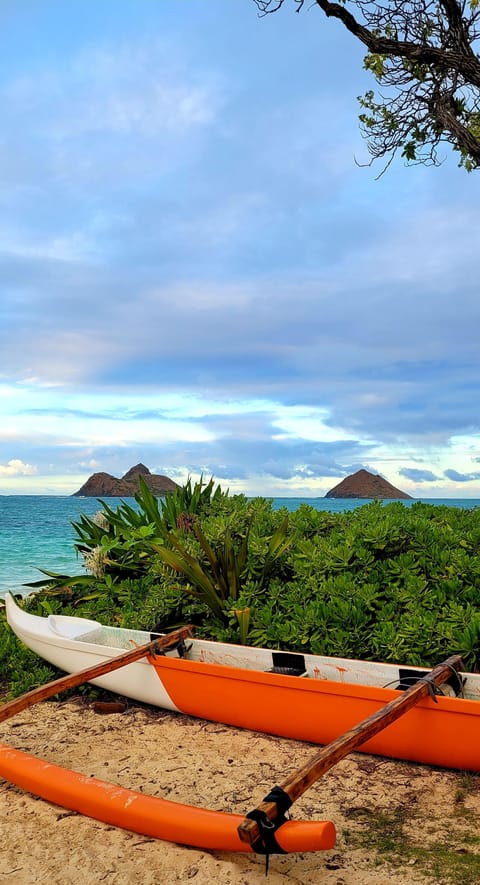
105,485
363,484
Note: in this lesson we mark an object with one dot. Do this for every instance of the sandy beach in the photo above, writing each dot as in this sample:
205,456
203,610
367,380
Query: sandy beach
197,762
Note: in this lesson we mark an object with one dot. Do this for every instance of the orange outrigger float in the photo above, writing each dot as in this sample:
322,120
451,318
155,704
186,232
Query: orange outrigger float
265,830
149,815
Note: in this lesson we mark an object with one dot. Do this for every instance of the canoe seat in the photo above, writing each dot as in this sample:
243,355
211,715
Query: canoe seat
64,625
408,676
288,663
287,671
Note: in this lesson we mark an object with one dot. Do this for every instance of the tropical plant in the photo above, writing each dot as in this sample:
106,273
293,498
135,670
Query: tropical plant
120,544
190,501
223,575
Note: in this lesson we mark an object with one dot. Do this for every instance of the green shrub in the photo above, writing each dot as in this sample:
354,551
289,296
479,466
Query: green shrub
397,583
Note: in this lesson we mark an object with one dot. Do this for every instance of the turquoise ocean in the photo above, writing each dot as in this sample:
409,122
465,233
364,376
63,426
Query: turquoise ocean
36,531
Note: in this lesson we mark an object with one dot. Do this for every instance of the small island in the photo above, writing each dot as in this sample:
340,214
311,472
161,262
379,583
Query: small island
363,484
107,486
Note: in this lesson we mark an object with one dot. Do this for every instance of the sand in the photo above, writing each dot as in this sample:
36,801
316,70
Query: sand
197,762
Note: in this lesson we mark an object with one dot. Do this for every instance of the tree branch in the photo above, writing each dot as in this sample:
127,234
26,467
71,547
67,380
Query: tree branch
421,53
443,109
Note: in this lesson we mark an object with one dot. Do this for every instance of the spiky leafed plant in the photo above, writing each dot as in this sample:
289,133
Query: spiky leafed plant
116,543
220,579
190,501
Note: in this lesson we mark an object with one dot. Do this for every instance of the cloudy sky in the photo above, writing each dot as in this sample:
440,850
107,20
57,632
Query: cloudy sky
199,272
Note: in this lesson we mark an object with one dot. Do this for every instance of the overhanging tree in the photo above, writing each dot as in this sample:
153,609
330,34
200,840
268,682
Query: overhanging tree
422,55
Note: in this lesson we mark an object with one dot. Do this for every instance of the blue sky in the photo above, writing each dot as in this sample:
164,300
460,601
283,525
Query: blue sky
196,272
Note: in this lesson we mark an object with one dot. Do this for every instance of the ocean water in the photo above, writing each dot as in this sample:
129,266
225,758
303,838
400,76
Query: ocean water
36,531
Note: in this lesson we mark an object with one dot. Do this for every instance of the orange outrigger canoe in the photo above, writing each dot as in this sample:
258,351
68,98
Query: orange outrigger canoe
304,697
265,829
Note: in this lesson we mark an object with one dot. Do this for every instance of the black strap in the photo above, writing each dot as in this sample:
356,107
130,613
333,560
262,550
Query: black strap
180,646
267,842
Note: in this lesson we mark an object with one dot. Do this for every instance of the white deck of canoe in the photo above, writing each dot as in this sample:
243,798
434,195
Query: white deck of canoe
75,643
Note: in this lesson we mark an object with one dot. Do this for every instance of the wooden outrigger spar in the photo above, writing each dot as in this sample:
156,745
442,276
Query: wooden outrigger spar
260,825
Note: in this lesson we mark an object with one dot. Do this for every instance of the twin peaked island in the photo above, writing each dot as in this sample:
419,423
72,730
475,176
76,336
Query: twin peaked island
358,485
104,485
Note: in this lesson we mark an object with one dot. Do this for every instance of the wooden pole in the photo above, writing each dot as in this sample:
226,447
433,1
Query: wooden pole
250,830
72,680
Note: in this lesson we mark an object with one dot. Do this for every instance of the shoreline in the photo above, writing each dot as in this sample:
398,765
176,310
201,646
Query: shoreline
215,766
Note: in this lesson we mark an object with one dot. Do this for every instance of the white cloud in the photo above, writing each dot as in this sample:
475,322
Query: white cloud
15,467
301,422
